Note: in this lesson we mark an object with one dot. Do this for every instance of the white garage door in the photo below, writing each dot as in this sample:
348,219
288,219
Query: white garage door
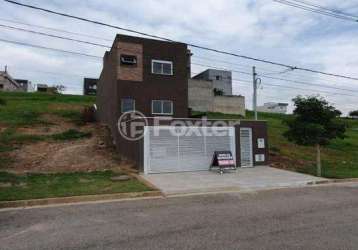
179,149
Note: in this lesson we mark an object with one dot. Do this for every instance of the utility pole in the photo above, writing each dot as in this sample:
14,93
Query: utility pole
255,91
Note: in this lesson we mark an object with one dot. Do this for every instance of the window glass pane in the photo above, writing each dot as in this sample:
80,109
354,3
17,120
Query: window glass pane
167,68
127,105
157,68
157,107
167,107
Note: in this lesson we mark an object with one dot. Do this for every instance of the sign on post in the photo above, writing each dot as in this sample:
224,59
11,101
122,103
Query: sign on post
223,160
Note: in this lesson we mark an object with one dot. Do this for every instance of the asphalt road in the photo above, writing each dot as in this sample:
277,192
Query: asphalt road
306,218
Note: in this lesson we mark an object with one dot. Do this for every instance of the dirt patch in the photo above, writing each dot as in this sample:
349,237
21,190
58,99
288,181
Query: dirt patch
69,156
55,125
286,163
65,106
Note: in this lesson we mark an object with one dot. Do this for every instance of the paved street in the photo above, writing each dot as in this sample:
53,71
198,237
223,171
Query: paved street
306,218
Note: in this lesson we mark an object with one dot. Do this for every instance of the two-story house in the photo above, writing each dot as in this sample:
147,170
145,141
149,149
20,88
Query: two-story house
146,75
151,77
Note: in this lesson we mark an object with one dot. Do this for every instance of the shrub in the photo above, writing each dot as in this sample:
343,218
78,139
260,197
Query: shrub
354,113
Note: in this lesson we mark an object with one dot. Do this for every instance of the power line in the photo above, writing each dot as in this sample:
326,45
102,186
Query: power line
290,87
306,83
318,10
314,10
48,48
325,8
248,84
93,56
274,78
268,71
54,36
56,29
204,58
189,44
47,72
279,85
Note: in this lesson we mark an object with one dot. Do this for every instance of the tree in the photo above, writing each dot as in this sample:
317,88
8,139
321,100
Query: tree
314,123
354,113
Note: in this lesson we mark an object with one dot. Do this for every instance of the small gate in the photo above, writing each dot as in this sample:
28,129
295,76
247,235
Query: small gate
246,147
179,149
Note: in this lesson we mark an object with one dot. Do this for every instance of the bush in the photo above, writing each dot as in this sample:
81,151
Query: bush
354,113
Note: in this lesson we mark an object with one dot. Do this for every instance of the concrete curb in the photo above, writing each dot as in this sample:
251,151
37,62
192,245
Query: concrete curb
78,199
332,181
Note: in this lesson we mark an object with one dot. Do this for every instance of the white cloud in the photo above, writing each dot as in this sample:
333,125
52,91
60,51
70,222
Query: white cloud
260,28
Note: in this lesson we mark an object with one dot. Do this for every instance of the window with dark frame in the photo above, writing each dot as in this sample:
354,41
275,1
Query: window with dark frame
162,67
127,105
129,60
1,86
162,107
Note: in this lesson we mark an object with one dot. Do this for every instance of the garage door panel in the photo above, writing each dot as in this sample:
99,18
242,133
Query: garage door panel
176,149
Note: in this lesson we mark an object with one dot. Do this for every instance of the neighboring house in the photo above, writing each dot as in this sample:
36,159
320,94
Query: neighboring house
152,77
222,79
90,86
273,107
7,83
26,85
42,88
203,94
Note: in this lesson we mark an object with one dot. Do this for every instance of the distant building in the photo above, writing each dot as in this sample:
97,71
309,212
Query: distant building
222,79
90,86
202,97
7,83
273,107
42,88
211,91
25,84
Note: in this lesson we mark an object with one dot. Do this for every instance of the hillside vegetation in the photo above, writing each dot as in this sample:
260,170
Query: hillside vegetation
42,132
32,123
49,147
340,158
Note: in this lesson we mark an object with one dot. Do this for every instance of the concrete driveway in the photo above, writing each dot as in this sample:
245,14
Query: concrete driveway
244,179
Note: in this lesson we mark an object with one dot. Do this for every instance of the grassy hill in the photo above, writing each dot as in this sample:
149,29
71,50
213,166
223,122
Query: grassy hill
48,148
340,158
25,110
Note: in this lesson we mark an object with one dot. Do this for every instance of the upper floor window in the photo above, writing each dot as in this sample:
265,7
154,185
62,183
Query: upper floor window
162,107
162,67
127,105
128,60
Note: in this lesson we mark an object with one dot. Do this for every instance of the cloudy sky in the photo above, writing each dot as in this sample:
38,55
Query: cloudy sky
262,28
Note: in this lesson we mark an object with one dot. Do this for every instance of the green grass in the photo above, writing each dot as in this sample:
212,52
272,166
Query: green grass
28,109
71,134
340,158
23,109
74,116
36,186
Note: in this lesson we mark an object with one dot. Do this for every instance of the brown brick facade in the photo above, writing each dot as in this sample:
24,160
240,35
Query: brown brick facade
128,73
